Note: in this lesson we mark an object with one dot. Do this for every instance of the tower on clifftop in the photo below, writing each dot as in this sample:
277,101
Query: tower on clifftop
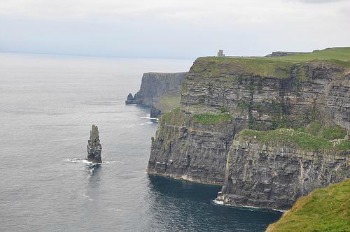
221,53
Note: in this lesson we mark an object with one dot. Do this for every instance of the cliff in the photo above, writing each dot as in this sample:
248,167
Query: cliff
275,173
222,96
325,209
160,91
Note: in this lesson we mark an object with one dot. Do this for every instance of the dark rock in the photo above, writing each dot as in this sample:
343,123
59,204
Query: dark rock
155,112
130,99
94,147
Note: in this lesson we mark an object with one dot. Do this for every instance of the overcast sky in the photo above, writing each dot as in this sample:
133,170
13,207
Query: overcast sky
172,28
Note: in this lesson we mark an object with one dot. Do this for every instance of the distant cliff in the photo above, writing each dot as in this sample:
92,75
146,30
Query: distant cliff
160,91
223,96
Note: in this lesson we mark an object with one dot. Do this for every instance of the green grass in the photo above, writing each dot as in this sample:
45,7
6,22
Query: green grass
302,140
212,119
334,132
330,54
215,66
313,128
328,132
326,209
278,67
174,117
168,103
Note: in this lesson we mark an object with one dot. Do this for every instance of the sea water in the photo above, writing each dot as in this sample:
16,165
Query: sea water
47,106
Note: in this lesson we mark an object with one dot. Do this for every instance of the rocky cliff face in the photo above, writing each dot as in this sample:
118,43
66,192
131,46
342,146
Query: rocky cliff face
159,91
276,175
292,96
185,149
222,96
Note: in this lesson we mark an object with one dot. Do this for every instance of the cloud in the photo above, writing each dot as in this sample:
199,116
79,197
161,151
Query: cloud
190,27
201,13
321,1
248,10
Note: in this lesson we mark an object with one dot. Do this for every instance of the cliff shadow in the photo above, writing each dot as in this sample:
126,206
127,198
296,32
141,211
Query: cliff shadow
185,206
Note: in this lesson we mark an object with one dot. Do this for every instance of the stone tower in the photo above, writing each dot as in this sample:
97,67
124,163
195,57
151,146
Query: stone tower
221,53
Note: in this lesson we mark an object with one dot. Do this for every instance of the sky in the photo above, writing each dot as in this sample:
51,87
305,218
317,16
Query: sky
172,28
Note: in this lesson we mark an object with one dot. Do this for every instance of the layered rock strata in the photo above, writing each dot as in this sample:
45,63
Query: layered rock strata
276,175
190,151
156,89
94,147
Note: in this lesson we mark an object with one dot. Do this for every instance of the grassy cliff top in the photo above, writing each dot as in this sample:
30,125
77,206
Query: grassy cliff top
326,209
302,140
340,54
275,66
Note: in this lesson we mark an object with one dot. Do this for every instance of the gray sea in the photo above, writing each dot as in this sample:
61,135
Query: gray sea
47,106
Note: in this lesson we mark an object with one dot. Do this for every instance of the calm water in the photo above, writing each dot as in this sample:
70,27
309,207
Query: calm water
47,106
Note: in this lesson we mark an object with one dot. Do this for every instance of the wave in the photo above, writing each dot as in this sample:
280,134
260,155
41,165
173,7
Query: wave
88,197
146,123
152,119
252,208
85,161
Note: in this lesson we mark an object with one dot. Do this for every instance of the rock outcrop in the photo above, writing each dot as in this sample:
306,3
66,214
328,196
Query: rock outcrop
222,96
130,99
94,147
160,91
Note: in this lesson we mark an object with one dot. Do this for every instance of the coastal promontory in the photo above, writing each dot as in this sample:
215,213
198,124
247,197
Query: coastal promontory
159,91
267,129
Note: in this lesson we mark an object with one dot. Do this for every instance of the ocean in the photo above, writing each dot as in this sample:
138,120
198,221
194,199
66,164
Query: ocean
47,106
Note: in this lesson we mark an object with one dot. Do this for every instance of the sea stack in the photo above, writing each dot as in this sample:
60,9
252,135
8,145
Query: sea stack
94,147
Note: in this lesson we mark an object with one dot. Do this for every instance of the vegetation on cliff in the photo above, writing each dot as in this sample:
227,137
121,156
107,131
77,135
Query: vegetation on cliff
174,117
212,119
314,136
326,209
279,67
341,54
328,132
168,103
302,139
216,66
